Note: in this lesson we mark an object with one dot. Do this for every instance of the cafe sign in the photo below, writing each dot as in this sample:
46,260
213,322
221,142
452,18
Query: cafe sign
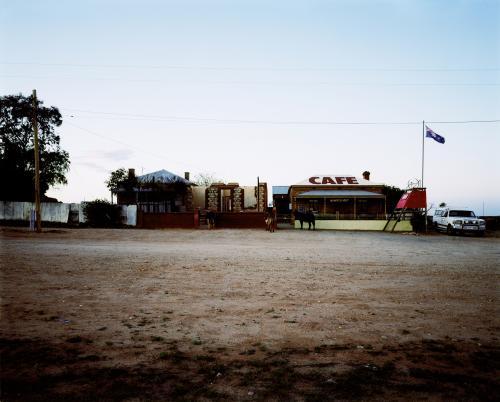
336,180
333,180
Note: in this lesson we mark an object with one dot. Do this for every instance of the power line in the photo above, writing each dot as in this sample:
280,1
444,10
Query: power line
260,83
270,122
186,67
238,121
127,145
261,68
463,121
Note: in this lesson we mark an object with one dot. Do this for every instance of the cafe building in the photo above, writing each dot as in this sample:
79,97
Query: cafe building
339,199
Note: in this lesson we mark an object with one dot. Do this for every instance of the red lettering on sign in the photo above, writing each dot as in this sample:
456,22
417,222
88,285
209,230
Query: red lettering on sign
330,180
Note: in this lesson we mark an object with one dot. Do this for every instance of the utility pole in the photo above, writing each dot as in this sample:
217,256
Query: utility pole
258,194
37,167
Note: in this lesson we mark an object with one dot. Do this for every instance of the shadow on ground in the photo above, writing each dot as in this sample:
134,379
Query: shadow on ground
33,370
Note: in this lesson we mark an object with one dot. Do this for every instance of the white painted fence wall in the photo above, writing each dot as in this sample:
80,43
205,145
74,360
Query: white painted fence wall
56,212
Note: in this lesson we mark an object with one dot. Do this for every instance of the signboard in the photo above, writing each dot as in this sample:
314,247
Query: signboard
336,180
333,180
415,198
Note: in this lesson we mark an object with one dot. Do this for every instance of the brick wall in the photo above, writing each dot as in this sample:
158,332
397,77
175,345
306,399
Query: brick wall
241,220
186,220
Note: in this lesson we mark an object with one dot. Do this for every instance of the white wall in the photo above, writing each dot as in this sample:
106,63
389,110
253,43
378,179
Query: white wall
131,215
57,212
199,196
250,200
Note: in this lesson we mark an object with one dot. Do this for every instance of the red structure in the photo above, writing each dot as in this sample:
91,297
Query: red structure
414,198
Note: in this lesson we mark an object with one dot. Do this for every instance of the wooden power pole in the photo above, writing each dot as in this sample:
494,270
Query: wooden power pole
258,194
37,167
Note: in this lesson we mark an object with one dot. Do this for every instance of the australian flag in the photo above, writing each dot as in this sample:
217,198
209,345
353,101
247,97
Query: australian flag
431,134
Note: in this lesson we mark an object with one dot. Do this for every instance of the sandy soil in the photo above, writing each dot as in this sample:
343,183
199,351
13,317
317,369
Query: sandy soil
93,314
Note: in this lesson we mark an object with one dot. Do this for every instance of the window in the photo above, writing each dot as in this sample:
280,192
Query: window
468,214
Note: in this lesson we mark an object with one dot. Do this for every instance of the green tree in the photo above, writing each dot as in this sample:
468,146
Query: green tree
117,178
393,195
17,144
120,178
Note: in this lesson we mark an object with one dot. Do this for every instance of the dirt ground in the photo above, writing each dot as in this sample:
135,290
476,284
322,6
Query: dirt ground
95,314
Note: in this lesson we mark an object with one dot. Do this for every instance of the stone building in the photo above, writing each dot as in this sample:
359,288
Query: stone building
157,192
230,197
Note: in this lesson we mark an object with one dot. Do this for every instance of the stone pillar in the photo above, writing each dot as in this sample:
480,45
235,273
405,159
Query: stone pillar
238,197
213,198
262,197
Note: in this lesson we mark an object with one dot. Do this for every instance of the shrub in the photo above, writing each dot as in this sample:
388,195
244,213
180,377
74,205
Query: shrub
101,213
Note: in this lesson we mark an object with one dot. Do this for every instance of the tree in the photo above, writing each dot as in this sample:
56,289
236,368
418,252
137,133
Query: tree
116,179
205,179
393,195
17,148
120,178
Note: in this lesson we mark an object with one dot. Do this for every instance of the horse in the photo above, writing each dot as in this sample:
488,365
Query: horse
211,215
305,217
271,220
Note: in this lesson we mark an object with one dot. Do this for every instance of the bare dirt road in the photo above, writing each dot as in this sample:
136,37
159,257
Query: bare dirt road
90,314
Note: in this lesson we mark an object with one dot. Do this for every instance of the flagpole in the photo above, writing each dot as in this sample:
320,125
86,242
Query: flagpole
423,148
423,152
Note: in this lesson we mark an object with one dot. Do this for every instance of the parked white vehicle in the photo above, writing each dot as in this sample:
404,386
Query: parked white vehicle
458,220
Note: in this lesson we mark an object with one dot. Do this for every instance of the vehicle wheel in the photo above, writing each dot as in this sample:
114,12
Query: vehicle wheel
450,231
480,234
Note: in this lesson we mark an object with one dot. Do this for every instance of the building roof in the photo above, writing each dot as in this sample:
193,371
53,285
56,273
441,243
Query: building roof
340,194
280,190
162,176
336,180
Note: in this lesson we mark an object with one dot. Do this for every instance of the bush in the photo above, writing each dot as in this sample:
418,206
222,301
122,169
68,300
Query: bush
101,213
418,222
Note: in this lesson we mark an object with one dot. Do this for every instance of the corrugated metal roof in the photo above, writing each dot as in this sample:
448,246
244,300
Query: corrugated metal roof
340,194
280,190
162,176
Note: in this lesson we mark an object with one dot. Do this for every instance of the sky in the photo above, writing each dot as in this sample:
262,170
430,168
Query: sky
241,89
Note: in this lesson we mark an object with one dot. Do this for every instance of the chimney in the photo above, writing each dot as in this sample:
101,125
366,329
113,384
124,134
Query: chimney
131,173
186,175
366,175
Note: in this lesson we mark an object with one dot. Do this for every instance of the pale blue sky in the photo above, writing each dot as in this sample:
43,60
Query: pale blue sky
219,87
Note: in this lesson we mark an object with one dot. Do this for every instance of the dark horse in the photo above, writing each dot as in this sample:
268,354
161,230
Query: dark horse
271,220
211,217
305,217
